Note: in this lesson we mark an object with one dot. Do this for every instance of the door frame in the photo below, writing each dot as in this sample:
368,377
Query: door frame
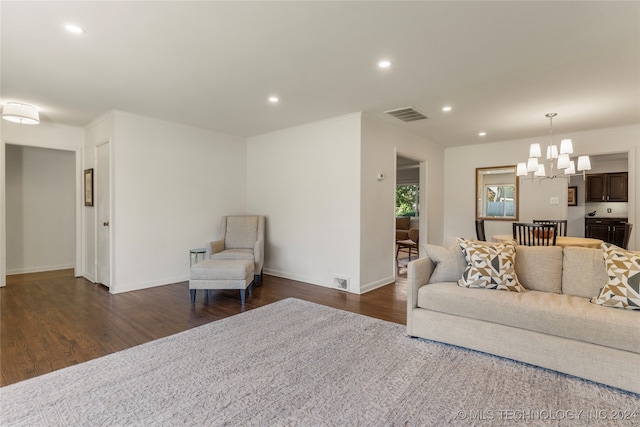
79,238
422,199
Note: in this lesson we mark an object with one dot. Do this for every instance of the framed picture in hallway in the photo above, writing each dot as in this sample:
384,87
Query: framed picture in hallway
88,187
572,199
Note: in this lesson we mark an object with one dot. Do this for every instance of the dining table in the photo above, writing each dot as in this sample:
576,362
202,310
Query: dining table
563,241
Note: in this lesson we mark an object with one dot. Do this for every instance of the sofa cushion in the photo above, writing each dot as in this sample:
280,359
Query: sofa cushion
549,313
583,272
623,288
490,267
449,261
539,268
241,232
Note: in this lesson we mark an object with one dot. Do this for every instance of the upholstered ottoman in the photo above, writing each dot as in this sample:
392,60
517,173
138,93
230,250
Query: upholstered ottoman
222,274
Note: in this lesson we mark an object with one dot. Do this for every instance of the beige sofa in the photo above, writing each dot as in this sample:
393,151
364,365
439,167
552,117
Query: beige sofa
553,324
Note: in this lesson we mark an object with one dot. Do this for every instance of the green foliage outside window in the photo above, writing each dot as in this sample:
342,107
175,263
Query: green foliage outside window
406,200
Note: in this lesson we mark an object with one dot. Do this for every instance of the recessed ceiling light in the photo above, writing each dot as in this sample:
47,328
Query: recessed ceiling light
447,108
273,99
74,29
482,134
384,63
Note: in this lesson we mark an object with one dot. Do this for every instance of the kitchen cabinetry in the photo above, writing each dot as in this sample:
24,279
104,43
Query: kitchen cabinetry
607,187
610,230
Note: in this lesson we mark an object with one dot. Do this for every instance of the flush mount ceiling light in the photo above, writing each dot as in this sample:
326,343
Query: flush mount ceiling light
446,108
384,63
566,167
482,134
72,28
274,99
24,114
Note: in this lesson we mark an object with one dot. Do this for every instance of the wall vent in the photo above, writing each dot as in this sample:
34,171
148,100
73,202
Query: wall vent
406,114
341,282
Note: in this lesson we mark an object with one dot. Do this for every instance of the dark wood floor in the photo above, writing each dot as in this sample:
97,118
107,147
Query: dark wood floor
52,320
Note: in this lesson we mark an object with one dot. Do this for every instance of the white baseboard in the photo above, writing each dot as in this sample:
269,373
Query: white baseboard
26,270
314,281
149,284
297,277
377,284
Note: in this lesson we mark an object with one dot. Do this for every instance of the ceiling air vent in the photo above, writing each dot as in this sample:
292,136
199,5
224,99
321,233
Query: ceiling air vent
406,114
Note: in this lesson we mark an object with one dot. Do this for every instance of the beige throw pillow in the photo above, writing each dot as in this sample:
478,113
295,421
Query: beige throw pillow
490,267
449,261
623,287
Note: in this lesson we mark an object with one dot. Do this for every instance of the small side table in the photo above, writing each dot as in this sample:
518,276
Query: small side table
194,254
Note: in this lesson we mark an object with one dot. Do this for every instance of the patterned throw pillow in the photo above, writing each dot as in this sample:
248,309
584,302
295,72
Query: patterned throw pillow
490,267
623,270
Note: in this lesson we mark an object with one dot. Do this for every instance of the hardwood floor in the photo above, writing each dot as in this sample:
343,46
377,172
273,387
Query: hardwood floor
52,320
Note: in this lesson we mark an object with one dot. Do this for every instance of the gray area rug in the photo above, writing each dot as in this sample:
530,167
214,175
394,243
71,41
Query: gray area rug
295,363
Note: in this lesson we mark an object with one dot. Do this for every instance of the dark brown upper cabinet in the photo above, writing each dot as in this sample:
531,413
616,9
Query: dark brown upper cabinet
607,187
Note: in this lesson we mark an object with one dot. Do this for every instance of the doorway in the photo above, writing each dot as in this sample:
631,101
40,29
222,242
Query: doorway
41,209
407,212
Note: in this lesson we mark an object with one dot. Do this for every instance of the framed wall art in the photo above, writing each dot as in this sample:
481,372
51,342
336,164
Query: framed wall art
572,198
88,187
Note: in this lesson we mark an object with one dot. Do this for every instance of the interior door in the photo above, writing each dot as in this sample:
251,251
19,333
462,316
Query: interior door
103,215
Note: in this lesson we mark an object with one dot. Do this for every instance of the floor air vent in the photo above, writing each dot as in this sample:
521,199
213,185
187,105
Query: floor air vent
341,282
406,114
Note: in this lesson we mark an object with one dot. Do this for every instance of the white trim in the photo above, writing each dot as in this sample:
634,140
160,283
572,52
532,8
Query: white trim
377,284
39,269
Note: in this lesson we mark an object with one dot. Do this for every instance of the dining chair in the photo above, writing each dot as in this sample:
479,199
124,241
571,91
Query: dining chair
627,235
530,234
409,244
480,235
562,224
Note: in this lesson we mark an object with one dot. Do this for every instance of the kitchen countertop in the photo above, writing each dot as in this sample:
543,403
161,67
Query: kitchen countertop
606,217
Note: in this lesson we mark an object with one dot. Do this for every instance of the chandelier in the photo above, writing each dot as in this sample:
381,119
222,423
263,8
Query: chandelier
565,167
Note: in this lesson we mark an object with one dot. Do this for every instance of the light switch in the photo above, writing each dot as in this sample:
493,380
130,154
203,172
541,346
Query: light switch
554,201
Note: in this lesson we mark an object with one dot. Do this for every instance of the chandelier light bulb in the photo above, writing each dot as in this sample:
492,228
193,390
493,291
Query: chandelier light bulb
566,146
563,161
522,169
540,171
571,169
584,163
534,150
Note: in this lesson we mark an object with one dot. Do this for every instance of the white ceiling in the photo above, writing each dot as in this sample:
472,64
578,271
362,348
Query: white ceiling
501,65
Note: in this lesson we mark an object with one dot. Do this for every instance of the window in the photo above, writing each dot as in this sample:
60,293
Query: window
407,200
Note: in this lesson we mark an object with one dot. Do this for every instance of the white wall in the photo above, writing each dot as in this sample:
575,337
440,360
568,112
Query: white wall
40,200
172,184
44,135
306,181
381,142
459,184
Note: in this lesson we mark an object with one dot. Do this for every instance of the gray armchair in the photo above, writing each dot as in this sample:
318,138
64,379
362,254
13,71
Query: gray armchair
242,238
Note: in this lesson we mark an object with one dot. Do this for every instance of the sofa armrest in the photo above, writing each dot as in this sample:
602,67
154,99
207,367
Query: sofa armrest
418,274
258,254
214,247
